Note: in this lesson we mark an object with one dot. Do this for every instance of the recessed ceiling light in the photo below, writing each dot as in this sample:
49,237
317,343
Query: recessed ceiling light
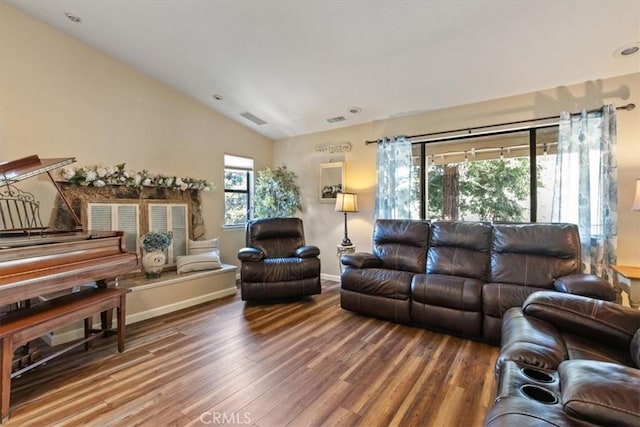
218,97
627,50
72,17
355,110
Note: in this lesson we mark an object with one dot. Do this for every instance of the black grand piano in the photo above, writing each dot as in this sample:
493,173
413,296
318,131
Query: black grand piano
35,261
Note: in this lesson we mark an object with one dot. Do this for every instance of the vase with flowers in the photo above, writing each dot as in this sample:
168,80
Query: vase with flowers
153,245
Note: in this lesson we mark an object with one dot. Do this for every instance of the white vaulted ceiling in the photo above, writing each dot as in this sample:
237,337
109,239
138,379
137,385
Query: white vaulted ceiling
296,63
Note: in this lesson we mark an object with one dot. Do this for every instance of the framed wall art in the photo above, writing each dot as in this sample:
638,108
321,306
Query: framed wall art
331,181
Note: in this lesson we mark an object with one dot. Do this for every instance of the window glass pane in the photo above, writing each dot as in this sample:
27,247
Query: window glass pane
235,208
235,180
416,189
479,179
547,143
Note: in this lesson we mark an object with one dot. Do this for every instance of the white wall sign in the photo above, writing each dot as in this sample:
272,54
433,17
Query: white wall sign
337,147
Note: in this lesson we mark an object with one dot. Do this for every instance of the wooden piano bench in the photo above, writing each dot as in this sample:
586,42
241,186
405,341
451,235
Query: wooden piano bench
26,324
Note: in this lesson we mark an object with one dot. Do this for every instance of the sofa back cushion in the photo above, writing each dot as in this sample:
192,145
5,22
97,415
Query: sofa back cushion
534,254
401,244
459,248
276,237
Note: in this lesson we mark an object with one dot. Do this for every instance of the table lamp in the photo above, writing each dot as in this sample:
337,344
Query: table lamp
346,202
636,202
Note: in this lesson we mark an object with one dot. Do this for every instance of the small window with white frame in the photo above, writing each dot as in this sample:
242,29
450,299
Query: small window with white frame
238,182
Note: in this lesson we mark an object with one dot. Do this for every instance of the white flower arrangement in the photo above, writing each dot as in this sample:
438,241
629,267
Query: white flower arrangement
98,176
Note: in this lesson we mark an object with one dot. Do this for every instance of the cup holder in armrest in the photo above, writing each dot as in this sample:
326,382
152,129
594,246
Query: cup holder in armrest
539,394
537,375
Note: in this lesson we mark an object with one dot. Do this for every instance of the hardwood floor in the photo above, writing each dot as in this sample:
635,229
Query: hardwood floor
300,363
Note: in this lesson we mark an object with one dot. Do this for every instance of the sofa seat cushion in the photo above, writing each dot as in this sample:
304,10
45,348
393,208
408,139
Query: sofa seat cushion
394,310
600,393
517,411
380,282
461,293
497,298
579,347
280,269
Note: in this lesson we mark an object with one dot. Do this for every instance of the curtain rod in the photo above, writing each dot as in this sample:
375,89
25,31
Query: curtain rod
627,107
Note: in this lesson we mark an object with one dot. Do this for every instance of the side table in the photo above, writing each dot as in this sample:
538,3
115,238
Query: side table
341,251
628,280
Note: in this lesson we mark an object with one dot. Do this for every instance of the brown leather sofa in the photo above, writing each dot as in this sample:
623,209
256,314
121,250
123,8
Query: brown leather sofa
276,263
568,360
461,277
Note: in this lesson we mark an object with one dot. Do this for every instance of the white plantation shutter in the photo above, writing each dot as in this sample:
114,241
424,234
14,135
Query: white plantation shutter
179,227
116,216
171,217
128,221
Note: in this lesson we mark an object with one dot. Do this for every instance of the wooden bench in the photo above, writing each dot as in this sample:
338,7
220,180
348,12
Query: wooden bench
26,324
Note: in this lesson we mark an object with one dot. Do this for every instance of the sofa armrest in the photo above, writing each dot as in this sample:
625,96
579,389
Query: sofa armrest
361,260
250,254
588,285
600,393
307,251
605,321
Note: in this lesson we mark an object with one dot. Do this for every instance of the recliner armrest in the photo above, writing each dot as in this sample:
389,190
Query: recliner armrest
588,285
604,321
361,260
599,392
251,254
307,251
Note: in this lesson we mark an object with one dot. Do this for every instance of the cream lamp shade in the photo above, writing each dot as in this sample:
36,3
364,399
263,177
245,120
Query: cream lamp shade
346,202
636,202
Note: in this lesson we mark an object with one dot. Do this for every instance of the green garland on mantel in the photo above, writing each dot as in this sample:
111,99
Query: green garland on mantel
98,176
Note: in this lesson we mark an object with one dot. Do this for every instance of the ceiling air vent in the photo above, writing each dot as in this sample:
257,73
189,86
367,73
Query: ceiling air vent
336,119
257,120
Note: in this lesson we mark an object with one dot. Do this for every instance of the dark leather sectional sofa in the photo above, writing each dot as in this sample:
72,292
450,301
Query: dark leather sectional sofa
568,360
461,277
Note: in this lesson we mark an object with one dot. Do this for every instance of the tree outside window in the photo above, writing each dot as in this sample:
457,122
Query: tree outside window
238,175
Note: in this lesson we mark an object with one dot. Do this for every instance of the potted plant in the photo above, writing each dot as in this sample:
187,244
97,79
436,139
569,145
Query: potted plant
153,245
276,193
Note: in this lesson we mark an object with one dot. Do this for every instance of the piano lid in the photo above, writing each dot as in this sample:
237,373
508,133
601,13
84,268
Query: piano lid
27,167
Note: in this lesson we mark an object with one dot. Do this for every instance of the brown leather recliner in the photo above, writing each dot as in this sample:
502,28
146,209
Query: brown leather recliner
277,263
568,360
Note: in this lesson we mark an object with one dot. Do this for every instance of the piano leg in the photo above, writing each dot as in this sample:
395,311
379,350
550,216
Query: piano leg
6,344
88,325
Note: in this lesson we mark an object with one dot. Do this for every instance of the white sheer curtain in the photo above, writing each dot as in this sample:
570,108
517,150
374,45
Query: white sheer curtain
393,190
585,190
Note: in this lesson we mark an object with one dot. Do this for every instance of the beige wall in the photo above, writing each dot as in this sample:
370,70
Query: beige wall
324,227
59,97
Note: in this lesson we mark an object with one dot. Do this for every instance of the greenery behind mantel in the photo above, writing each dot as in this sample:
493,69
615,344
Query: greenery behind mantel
276,193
